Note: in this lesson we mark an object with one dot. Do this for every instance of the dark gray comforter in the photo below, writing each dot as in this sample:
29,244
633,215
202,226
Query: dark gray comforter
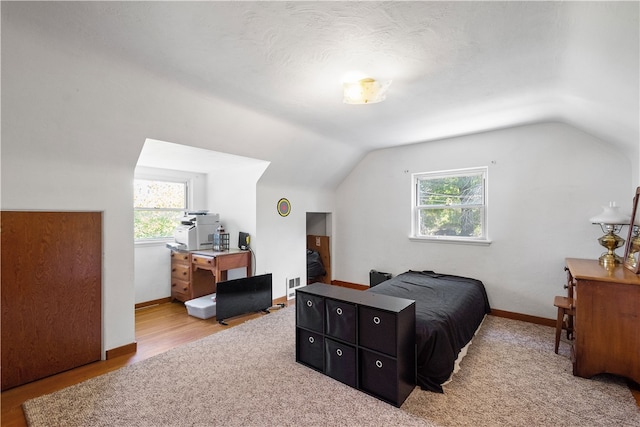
449,310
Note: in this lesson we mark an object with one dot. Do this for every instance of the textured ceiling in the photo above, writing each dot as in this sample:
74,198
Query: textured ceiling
457,67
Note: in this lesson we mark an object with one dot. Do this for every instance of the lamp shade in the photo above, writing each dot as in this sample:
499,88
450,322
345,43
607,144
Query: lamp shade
611,215
365,91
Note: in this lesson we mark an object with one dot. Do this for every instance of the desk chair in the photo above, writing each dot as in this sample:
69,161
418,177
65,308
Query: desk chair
566,312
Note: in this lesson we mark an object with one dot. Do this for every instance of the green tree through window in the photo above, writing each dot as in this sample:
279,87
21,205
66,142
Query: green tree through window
158,206
450,204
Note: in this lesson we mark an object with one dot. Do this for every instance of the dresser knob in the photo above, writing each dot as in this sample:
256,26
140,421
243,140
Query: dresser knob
309,303
376,320
339,352
378,364
339,311
311,340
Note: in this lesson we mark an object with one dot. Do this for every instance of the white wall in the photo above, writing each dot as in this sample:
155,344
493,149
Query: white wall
73,126
233,195
544,182
319,223
281,242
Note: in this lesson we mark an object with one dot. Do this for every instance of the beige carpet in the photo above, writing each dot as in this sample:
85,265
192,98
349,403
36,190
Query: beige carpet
512,377
247,376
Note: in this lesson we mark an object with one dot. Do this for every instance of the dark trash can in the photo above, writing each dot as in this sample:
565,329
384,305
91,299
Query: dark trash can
377,277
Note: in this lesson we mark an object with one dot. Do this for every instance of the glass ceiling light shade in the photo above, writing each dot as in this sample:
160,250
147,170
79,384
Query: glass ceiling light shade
611,222
365,91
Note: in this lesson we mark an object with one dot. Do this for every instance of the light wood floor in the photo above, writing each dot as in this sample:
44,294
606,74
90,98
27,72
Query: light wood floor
158,329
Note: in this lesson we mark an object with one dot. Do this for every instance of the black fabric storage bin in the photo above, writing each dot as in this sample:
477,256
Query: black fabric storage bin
310,312
340,362
341,320
310,349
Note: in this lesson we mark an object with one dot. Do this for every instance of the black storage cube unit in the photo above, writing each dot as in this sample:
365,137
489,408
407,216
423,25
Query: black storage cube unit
368,340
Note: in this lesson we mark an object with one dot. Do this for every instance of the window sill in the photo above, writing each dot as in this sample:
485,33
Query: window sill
153,242
478,242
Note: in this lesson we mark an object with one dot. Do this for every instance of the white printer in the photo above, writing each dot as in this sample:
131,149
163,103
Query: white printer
195,230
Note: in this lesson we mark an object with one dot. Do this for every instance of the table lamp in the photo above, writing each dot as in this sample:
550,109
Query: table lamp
611,222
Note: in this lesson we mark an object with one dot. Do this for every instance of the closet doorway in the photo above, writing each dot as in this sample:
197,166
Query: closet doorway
319,247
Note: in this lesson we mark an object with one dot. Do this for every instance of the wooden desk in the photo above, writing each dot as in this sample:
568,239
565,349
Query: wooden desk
196,273
607,320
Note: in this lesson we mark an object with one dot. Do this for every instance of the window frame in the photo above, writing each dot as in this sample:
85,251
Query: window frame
188,199
416,208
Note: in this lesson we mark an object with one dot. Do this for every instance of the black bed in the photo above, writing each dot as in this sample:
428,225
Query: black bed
449,310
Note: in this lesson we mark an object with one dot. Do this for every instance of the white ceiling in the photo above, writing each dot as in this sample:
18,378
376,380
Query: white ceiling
457,67
167,155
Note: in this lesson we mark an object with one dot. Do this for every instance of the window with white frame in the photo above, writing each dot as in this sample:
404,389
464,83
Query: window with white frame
450,205
157,207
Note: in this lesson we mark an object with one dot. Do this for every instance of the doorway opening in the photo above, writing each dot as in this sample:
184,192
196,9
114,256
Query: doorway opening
319,247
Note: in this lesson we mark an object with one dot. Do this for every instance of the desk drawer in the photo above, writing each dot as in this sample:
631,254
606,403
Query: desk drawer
179,287
180,257
203,261
231,261
180,271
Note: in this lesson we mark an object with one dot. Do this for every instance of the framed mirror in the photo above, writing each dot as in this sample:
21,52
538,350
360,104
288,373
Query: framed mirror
632,248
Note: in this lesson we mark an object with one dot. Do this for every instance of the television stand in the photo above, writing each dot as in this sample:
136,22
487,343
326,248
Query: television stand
275,306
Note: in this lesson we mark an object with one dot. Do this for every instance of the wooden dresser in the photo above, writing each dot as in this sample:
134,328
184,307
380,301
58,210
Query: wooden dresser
607,320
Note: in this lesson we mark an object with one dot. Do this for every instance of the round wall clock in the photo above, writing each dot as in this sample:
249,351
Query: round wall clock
284,207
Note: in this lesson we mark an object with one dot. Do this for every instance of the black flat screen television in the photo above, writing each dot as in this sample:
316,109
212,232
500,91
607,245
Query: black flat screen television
245,295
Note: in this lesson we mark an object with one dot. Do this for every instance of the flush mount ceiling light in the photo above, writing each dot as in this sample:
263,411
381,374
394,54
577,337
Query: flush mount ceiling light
365,91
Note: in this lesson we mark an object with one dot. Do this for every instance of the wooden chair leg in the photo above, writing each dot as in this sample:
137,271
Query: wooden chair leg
559,321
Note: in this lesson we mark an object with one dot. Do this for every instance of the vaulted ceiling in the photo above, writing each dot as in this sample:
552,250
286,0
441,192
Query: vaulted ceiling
457,67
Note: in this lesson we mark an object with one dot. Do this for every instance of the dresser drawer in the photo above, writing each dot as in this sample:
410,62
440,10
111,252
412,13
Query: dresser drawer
341,320
180,271
310,311
340,362
377,330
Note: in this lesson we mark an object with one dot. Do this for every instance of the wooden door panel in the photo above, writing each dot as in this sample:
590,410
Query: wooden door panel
51,266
